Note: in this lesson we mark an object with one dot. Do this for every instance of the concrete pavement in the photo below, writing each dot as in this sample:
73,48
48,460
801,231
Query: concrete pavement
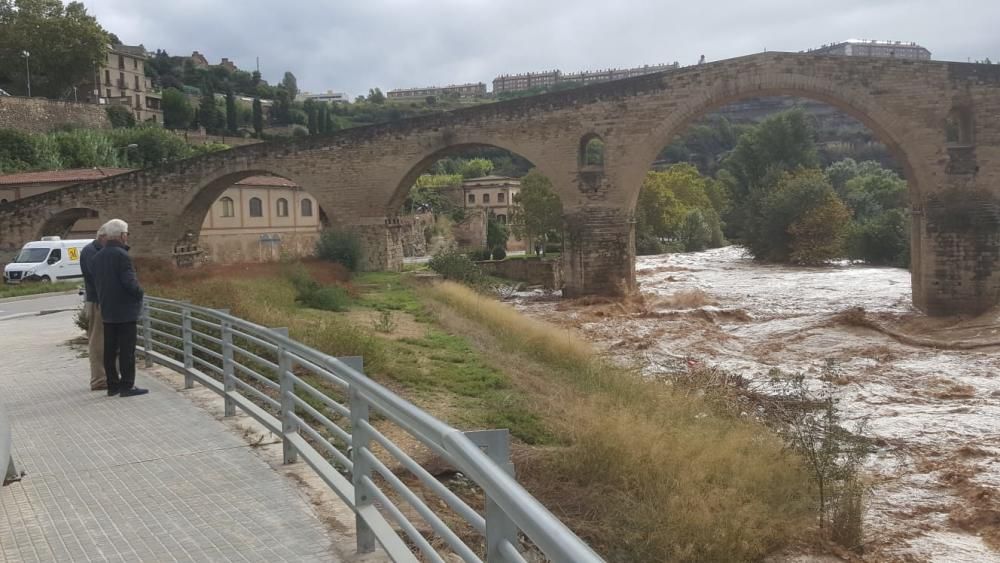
150,478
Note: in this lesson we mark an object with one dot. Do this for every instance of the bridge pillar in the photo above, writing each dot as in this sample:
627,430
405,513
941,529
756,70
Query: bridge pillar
381,244
956,252
598,252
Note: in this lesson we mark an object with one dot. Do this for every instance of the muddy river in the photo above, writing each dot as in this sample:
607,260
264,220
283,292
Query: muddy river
927,390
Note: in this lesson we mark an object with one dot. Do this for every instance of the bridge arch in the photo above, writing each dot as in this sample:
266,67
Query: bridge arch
61,224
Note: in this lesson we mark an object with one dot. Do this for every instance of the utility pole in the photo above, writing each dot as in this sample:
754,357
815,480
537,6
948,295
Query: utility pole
27,68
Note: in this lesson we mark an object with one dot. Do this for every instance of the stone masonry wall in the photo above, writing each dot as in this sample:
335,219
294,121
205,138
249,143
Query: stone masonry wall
39,115
532,271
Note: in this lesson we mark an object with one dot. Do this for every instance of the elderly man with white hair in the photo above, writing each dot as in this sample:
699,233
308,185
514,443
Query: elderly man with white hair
95,325
120,299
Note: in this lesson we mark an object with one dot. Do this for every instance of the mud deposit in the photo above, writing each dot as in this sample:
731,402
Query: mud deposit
928,388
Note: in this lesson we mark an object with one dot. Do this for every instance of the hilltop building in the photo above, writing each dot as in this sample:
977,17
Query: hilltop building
873,48
469,90
529,80
121,79
329,96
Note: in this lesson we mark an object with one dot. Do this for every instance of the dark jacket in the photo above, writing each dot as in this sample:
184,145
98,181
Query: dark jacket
86,266
118,291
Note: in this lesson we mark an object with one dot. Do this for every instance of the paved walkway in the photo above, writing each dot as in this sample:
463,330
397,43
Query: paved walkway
151,478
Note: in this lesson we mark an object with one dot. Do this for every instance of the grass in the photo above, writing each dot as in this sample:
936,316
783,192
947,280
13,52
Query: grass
35,288
649,473
643,471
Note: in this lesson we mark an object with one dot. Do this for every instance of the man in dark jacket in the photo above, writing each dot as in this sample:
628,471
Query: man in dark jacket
120,298
95,325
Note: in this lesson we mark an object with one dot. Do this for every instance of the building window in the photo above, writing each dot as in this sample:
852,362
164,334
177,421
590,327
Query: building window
472,198
135,64
138,102
502,219
307,208
121,62
500,197
4,200
282,207
107,78
108,92
486,198
121,81
136,82
256,207
227,207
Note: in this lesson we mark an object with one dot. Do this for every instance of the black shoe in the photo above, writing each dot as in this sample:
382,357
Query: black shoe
133,392
112,391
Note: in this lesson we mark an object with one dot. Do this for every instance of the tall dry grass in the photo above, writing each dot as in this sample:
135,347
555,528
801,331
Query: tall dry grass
650,473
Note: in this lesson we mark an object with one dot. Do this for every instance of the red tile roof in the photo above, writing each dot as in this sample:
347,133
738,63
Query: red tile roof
53,176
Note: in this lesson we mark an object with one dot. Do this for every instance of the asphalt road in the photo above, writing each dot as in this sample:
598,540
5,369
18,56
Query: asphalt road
38,304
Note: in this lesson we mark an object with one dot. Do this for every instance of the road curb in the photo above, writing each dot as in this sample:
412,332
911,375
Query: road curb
39,296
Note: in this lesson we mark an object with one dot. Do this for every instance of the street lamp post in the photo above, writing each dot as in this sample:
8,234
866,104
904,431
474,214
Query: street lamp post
27,69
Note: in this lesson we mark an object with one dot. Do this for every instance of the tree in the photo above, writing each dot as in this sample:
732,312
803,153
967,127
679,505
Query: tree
258,118
497,234
537,210
376,96
291,86
64,42
231,121
696,233
177,111
800,219
666,202
207,111
476,168
312,116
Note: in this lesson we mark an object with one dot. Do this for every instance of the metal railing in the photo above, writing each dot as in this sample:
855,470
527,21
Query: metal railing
339,421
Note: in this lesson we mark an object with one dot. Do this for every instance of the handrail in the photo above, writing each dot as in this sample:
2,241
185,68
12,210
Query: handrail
280,362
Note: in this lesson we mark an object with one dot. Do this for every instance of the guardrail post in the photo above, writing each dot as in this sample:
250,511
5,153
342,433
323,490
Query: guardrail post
228,369
147,334
360,441
499,526
288,425
188,350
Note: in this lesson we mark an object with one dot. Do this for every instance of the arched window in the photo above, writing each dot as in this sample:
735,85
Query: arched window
256,207
307,207
4,200
282,207
227,207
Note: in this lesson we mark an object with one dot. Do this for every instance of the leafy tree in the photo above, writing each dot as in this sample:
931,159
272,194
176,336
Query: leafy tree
120,116
231,122
65,44
258,118
322,118
312,116
376,96
177,111
799,219
664,209
882,240
695,233
17,150
476,168
497,234
537,210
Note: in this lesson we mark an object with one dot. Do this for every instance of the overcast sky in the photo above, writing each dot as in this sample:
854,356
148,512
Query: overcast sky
351,46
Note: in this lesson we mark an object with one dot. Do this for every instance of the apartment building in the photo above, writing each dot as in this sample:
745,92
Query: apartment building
470,90
529,80
873,48
121,79
494,195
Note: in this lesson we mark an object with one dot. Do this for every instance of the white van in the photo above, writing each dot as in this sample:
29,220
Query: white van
50,259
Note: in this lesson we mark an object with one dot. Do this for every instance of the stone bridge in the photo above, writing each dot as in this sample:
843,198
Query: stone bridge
941,121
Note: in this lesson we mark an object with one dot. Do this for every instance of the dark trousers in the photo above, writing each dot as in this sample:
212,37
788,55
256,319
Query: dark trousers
119,352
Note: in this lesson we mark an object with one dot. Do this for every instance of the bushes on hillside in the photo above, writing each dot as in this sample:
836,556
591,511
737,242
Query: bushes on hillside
340,246
453,265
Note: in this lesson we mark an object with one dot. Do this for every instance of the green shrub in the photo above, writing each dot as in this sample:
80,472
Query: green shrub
17,151
120,117
478,255
329,298
343,247
453,265
646,245
499,253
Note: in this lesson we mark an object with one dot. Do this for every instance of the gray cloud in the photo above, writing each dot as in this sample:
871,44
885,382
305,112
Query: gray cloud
353,46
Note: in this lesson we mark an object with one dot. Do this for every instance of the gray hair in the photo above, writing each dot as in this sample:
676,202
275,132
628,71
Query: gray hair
114,229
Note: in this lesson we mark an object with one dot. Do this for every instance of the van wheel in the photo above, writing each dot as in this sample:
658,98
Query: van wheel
46,279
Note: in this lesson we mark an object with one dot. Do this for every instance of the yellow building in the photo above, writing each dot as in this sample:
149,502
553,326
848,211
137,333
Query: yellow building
495,195
121,79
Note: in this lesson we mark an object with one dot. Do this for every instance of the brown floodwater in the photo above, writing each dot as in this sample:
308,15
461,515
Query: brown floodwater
926,390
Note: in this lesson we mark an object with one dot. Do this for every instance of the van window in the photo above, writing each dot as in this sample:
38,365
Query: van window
32,255
55,256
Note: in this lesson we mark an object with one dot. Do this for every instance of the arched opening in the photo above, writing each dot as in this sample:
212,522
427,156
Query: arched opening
75,223
483,200
252,216
591,152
